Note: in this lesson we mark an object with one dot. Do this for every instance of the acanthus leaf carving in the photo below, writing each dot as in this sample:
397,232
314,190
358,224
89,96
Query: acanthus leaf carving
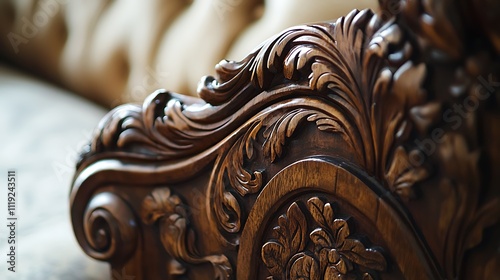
277,132
352,66
176,235
335,254
402,175
226,207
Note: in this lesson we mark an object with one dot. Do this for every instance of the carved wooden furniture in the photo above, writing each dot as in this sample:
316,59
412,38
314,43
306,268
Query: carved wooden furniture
365,148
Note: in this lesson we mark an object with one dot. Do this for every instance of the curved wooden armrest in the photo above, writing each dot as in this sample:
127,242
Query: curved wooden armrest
364,148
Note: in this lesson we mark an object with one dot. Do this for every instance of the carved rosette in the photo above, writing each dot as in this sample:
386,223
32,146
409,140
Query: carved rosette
318,248
178,238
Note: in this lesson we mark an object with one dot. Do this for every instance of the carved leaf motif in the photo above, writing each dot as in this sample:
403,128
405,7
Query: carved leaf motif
402,175
276,134
321,238
356,252
226,207
241,180
292,229
290,238
336,254
332,273
177,238
322,214
274,257
305,267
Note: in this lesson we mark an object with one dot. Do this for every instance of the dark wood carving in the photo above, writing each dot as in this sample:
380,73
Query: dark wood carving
161,205
365,148
334,254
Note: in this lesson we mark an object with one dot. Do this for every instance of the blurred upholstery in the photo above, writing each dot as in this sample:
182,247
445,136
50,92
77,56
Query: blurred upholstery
119,51
44,129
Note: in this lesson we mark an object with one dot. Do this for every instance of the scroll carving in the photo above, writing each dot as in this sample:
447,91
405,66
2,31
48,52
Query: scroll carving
110,228
275,128
177,237
364,73
370,84
344,64
335,253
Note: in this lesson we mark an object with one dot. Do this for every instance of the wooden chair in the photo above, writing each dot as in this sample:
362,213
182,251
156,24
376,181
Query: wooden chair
365,148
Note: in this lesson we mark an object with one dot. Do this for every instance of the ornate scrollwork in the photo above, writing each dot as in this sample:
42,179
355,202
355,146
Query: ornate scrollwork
353,65
335,253
177,237
110,228
368,80
360,65
275,129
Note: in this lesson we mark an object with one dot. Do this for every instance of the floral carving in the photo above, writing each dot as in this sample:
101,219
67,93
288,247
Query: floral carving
226,207
177,237
335,254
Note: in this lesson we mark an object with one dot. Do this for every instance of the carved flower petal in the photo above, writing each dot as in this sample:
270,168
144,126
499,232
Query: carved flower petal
305,267
355,251
408,81
332,273
340,230
402,175
321,238
273,256
342,266
297,228
322,214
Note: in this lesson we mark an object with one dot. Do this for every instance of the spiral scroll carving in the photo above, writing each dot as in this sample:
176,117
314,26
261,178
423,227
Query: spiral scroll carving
110,228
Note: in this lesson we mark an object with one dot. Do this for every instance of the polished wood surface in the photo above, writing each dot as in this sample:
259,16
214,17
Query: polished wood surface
365,148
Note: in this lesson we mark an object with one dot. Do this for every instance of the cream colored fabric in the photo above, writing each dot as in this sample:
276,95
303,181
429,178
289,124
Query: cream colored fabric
119,51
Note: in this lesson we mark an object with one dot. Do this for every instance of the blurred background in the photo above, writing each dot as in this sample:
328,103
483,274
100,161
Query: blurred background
64,63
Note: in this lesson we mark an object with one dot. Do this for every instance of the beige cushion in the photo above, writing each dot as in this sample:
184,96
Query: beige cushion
118,51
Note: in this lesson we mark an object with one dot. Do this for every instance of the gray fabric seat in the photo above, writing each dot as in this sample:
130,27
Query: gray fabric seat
42,130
